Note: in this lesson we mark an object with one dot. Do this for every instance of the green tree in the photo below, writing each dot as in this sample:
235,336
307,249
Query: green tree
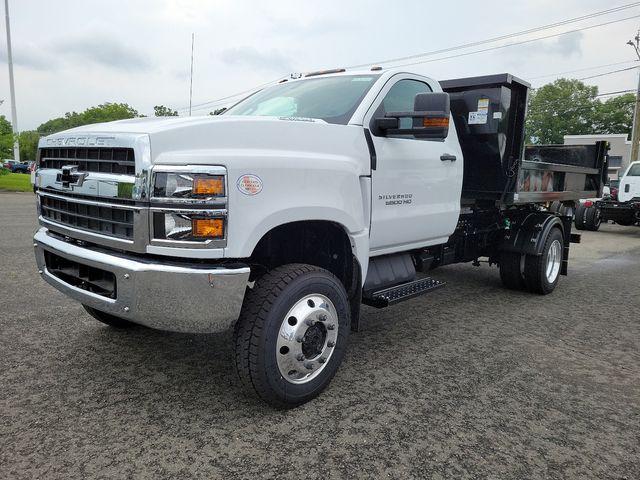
162,111
28,144
105,112
6,138
615,115
564,107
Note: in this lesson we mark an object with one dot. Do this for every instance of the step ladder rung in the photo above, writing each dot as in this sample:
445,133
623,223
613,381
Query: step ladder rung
399,293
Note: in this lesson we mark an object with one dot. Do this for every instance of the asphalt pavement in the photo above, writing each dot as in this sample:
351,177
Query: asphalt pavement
471,381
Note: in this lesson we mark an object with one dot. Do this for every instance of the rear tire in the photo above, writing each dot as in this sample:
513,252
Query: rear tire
292,334
580,217
593,219
542,272
108,319
511,270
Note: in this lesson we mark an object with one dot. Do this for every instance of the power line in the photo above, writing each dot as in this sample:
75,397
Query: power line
608,73
504,37
211,103
523,42
580,70
615,93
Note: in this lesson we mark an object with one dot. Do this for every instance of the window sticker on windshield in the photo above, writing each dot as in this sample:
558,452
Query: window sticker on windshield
483,105
477,118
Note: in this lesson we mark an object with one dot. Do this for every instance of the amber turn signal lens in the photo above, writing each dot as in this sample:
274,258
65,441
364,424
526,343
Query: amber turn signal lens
442,122
210,185
207,227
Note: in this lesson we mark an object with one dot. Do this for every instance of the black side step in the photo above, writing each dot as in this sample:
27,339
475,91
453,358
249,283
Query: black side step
399,293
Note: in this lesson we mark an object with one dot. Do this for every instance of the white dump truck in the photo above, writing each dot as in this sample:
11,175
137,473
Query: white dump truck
280,217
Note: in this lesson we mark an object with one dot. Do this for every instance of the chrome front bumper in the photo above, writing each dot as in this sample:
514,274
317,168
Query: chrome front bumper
163,296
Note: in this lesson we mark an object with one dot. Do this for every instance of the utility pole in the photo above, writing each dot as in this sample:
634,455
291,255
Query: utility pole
14,114
191,76
635,133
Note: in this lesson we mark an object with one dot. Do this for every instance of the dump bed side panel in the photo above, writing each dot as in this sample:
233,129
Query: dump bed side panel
489,113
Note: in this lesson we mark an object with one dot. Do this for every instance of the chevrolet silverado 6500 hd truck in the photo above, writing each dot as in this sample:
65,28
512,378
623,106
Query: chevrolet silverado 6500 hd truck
282,216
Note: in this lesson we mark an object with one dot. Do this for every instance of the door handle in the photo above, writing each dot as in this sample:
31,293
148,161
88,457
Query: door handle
445,157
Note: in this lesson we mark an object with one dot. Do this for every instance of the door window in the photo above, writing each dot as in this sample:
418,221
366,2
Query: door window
400,98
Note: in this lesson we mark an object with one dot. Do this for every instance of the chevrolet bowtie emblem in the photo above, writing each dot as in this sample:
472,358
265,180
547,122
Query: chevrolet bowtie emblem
70,177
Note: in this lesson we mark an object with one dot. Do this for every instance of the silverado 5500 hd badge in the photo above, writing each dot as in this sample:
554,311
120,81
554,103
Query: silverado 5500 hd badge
396,199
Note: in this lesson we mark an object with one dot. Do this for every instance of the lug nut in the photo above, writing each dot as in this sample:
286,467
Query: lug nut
331,326
126,276
308,322
331,344
308,366
322,317
126,309
299,339
300,357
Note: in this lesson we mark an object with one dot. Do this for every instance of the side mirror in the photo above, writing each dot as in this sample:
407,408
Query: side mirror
429,118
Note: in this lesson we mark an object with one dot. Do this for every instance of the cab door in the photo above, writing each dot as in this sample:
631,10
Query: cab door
416,183
630,183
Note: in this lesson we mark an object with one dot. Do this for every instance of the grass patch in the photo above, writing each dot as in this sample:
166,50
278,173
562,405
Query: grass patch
16,182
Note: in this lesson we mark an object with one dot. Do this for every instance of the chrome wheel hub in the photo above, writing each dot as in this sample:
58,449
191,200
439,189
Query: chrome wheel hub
554,259
307,337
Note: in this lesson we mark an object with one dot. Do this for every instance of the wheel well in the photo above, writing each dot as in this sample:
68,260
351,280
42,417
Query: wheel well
320,243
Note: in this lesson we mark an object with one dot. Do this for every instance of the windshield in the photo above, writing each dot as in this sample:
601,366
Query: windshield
333,99
634,170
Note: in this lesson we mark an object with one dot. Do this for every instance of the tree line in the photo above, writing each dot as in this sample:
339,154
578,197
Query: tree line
564,107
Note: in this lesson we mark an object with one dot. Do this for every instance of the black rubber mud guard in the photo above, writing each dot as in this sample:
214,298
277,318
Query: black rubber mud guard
528,237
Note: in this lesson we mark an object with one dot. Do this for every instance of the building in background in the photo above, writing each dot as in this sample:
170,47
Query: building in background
619,154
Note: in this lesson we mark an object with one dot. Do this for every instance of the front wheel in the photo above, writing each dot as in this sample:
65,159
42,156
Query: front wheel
292,334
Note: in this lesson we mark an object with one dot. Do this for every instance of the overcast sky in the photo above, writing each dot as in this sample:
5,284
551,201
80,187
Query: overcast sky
70,55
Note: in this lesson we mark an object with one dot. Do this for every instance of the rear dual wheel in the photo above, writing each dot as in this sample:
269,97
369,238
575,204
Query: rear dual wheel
535,273
292,334
588,218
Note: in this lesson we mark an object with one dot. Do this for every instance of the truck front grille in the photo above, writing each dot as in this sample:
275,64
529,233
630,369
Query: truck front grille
99,159
107,220
88,278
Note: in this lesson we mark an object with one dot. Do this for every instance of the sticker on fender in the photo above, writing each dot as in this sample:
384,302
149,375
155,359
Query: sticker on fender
249,184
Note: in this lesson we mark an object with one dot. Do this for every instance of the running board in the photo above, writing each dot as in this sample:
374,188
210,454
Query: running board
399,293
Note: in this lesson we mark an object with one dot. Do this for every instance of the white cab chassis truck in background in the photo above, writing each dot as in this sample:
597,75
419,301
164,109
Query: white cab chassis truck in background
623,210
304,200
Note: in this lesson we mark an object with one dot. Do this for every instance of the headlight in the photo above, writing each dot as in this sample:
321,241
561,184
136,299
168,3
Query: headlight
188,185
189,206
188,226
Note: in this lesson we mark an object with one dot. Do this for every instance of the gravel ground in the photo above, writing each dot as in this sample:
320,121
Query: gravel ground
472,381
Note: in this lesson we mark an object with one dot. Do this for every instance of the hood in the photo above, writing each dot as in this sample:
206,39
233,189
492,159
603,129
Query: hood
151,125
214,139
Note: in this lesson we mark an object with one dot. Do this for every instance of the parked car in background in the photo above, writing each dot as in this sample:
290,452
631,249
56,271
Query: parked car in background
613,189
32,171
22,167
8,164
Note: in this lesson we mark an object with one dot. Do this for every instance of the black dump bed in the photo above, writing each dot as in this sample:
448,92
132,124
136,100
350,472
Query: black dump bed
489,114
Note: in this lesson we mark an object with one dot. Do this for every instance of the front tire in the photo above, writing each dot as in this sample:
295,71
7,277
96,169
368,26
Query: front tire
292,334
107,319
